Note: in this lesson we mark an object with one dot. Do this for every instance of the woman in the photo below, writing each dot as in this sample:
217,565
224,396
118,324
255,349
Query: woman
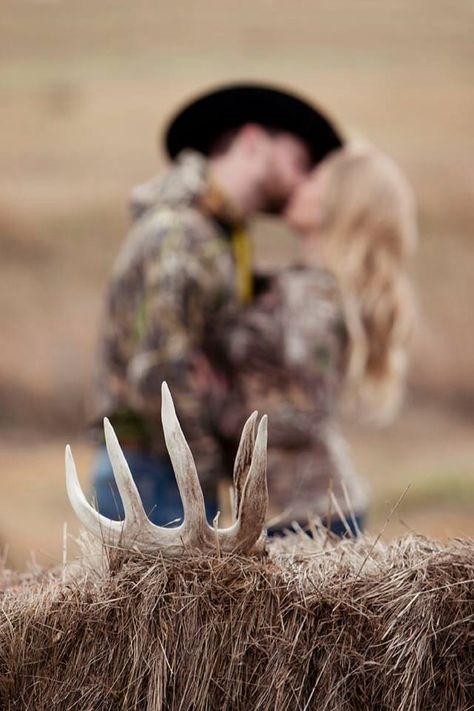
332,330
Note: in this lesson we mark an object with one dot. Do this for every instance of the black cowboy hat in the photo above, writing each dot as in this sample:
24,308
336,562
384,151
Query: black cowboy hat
211,115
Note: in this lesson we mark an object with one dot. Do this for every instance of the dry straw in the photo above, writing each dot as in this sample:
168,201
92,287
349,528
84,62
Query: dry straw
313,624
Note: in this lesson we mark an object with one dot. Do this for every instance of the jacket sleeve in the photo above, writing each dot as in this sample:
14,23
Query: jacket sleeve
183,292
286,352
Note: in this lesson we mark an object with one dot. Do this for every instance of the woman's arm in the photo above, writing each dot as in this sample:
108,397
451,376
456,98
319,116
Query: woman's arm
286,358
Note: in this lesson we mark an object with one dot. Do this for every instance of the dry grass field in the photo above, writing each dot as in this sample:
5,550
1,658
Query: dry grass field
85,89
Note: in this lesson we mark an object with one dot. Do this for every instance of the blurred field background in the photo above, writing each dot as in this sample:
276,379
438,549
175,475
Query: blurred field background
85,88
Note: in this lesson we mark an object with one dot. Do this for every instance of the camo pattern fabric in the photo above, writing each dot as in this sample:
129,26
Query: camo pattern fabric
288,355
173,285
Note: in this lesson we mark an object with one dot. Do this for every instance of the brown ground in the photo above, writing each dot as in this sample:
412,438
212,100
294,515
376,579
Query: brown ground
84,87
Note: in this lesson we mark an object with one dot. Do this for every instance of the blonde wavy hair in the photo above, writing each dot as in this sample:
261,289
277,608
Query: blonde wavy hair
367,232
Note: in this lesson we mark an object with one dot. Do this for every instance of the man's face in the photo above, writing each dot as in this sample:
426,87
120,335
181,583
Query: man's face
289,162
264,166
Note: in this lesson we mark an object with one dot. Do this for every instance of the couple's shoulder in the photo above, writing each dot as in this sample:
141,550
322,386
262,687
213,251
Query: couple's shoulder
178,235
181,227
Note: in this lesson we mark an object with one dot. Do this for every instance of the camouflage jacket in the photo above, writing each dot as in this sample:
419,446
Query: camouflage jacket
173,286
173,313
288,356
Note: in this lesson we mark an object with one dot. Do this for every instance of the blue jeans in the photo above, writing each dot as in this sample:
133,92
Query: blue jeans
336,526
156,484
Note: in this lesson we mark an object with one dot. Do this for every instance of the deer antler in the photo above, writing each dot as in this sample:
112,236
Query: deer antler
245,535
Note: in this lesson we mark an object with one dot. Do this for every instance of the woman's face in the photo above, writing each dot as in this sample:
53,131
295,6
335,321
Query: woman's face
304,209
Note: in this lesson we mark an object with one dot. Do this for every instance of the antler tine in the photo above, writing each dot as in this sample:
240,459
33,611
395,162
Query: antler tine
247,533
184,468
98,525
254,503
135,515
243,459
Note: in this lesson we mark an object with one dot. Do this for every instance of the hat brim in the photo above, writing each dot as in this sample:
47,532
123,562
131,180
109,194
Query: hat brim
211,115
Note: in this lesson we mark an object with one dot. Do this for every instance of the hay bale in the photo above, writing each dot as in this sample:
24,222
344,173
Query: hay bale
312,625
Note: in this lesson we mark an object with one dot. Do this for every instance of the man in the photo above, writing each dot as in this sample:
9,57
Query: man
185,271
